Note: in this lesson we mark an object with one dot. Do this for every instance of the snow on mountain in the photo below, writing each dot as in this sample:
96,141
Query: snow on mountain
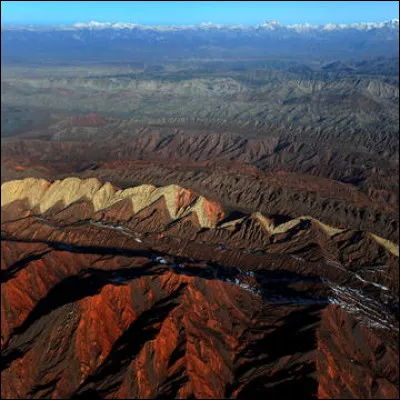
271,25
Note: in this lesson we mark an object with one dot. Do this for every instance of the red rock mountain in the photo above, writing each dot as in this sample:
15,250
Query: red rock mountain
150,292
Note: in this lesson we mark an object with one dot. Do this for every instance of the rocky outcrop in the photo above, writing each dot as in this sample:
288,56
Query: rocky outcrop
42,196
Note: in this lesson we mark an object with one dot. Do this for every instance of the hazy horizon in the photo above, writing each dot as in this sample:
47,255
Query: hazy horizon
42,13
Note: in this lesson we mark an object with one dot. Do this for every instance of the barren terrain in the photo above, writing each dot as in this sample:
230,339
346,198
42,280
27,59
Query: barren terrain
200,212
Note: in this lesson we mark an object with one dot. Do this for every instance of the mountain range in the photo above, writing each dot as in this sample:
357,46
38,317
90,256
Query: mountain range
156,292
119,42
271,25
200,211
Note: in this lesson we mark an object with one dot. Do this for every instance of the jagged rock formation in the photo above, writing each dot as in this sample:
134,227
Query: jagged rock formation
42,195
275,175
157,292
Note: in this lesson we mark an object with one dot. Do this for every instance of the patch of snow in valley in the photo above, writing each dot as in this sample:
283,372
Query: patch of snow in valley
297,257
371,283
368,311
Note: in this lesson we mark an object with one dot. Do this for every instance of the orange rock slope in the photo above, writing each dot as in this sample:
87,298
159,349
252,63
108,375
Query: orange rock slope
157,292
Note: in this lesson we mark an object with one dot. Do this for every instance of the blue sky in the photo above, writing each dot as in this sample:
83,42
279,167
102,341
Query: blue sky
195,12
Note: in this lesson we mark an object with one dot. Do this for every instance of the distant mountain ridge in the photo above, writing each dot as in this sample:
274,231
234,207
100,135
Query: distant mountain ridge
121,42
270,25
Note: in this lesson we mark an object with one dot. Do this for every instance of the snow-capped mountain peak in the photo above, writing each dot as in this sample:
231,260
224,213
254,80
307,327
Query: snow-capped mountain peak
270,25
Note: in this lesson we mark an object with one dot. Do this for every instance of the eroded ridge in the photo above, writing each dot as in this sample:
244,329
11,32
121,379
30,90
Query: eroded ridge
42,195
153,292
